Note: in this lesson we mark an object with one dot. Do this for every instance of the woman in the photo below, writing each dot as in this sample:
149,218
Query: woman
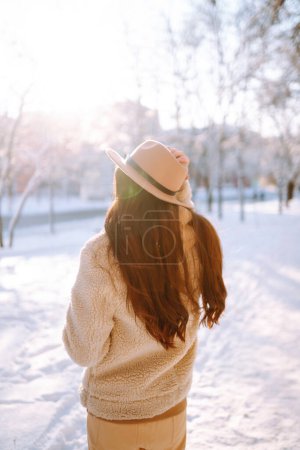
135,306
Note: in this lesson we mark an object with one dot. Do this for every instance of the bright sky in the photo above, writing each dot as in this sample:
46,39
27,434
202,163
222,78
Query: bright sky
74,52
75,55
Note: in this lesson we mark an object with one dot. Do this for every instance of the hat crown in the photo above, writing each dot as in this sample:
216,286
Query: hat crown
160,164
156,169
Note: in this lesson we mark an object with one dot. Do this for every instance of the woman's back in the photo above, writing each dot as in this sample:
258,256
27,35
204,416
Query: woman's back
135,376
145,284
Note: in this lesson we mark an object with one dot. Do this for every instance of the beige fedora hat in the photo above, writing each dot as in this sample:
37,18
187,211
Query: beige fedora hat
153,167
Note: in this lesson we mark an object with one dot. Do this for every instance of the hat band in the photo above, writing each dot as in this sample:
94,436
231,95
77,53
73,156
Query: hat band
129,160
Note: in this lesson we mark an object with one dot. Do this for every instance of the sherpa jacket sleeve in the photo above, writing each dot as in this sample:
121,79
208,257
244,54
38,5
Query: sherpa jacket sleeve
89,319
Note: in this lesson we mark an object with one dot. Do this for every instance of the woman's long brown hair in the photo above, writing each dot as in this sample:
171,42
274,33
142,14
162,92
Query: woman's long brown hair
145,237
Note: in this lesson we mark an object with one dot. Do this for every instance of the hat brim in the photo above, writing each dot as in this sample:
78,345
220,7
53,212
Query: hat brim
141,181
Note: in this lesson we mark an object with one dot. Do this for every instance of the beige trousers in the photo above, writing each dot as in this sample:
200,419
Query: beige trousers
163,434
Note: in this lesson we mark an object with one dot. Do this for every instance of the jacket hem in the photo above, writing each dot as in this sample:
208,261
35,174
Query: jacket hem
138,409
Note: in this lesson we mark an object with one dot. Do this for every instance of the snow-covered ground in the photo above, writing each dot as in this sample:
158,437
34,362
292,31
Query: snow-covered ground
246,386
40,205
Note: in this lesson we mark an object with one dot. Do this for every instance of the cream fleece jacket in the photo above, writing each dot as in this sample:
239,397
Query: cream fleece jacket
128,375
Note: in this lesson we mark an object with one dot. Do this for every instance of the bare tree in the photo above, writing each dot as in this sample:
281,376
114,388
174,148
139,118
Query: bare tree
283,114
274,33
206,30
41,159
31,185
180,58
9,131
138,74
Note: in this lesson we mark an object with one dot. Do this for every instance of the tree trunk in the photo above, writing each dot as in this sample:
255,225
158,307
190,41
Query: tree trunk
210,200
240,181
290,191
280,195
51,207
241,198
13,223
220,184
1,226
209,194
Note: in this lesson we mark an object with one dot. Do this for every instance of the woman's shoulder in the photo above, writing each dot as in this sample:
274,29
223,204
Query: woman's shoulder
99,239
102,263
97,247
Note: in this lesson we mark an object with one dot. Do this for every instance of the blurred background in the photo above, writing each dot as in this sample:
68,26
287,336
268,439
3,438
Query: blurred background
217,79
220,80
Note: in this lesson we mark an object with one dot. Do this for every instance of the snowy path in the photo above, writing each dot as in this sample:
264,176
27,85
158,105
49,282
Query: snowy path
246,386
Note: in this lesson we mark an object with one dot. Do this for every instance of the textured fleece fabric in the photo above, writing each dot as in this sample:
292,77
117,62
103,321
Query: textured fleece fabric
129,375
